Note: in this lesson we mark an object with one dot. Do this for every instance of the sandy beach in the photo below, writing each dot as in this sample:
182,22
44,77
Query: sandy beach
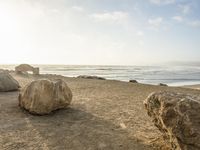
100,75
197,86
104,115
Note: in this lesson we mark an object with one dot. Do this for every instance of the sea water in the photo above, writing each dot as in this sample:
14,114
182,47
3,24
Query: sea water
171,75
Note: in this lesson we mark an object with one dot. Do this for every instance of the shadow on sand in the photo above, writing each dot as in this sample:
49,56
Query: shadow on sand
70,129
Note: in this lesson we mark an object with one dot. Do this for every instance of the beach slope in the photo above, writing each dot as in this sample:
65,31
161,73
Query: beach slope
104,115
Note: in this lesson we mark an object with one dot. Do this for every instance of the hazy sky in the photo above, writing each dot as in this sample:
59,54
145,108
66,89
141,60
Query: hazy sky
112,32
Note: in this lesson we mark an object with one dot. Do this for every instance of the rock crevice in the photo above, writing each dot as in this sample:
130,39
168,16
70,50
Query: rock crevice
177,116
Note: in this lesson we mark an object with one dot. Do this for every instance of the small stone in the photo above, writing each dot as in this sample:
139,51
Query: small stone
133,81
162,84
123,126
91,77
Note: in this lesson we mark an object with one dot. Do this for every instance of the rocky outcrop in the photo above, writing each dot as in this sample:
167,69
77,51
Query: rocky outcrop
162,84
44,96
133,81
7,82
91,77
177,116
24,68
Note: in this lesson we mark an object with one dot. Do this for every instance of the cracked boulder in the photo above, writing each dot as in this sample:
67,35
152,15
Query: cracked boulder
177,116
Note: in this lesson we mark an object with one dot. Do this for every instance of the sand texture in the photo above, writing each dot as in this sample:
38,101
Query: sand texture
104,115
197,86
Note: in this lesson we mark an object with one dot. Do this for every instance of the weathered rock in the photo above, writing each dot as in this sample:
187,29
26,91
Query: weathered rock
91,77
177,116
133,81
7,82
162,84
44,96
4,70
24,68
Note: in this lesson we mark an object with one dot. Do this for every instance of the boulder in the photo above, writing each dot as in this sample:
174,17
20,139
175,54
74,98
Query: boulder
7,82
91,77
133,81
177,116
44,96
24,68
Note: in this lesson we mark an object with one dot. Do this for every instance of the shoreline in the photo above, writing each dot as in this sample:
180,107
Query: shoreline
185,84
147,75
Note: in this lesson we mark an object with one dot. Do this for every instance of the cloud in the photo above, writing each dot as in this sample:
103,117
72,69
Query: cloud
156,22
178,18
116,16
185,9
162,2
141,42
77,8
140,33
55,10
195,23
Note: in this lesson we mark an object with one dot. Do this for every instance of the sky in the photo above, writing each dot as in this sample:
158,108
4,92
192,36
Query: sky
99,32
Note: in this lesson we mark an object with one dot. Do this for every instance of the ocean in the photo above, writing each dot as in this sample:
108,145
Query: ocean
171,75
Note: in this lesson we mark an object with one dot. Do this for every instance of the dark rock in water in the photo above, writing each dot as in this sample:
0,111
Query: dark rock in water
133,81
177,116
7,82
44,96
162,84
91,77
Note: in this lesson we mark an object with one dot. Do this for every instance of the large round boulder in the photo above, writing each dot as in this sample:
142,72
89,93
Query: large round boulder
44,96
7,82
177,116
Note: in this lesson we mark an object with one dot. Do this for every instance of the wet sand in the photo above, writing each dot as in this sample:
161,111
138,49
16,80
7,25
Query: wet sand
104,115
